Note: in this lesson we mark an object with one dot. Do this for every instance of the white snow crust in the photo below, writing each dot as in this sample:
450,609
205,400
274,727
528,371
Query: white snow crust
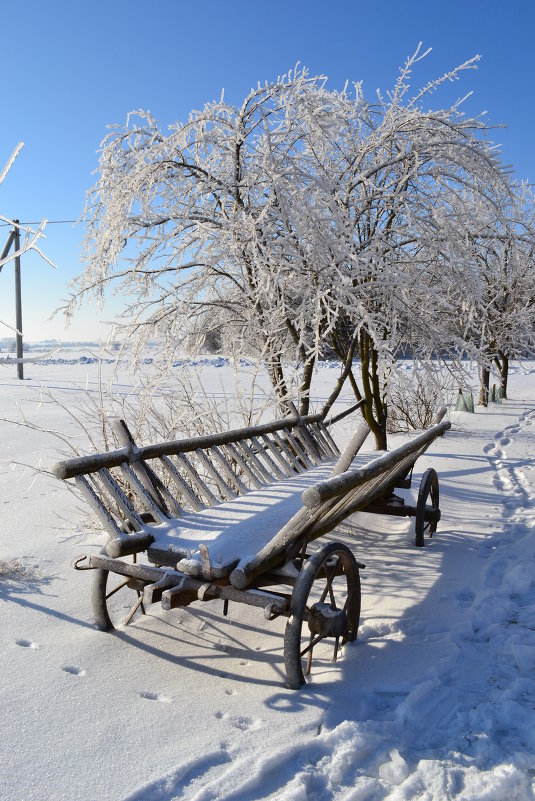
435,700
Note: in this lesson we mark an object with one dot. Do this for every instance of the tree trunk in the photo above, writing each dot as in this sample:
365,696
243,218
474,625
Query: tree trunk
304,389
374,409
276,375
502,363
484,387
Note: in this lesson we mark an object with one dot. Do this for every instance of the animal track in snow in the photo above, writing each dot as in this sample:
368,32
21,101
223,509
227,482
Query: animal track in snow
27,644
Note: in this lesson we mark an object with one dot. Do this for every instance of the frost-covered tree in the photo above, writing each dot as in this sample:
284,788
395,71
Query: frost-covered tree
303,222
212,218
497,309
395,160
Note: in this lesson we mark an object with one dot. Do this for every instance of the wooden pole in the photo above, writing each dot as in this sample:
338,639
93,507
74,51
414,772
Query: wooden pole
7,247
18,305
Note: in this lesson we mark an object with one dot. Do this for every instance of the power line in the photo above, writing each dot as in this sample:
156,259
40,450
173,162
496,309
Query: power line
38,222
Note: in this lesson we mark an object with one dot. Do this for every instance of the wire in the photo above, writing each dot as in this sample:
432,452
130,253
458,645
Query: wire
38,222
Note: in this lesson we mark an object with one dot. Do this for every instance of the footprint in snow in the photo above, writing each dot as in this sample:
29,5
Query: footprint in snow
505,441
27,644
73,670
465,597
242,722
155,697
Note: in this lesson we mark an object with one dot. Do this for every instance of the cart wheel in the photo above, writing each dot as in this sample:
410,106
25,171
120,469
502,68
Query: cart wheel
428,490
324,610
115,598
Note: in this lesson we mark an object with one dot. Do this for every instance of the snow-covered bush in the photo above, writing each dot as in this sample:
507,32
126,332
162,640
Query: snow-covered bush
415,397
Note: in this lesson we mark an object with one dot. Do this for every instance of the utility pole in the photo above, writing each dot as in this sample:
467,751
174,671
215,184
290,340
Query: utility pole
14,237
18,304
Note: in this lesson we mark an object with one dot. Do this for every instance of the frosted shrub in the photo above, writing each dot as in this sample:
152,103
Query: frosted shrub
414,400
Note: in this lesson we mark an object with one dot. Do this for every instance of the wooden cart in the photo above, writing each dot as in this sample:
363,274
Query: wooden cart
232,516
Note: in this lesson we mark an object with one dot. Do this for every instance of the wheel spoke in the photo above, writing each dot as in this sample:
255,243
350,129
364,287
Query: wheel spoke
117,588
336,647
309,656
329,584
311,643
134,609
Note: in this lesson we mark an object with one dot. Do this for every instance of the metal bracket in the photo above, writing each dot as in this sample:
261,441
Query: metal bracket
273,610
76,563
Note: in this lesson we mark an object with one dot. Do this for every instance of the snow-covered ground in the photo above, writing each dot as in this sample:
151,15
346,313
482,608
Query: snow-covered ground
436,699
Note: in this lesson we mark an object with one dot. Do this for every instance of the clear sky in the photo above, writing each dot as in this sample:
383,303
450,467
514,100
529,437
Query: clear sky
71,68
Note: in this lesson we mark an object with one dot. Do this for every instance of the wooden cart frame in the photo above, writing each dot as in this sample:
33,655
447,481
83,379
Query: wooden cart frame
136,492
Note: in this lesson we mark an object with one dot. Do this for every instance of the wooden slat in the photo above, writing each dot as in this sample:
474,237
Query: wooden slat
233,449
262,452
144,496
197,481
182,485
224,488
116,493
324,436
301,453
227,469
95,503
168,501
257,466
309,445
285,448
253,459
286,467
324,447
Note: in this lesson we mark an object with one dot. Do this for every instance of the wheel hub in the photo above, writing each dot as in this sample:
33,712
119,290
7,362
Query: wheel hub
324,621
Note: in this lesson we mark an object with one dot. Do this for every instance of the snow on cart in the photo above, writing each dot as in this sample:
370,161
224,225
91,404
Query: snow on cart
232,516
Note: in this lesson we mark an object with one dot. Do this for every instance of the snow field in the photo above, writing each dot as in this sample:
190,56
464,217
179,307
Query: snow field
435,700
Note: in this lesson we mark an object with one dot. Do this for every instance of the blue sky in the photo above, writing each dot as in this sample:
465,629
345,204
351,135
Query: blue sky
70,69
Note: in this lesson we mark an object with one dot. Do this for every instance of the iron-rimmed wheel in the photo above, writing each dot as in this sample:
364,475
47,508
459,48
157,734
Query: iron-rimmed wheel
324,610
115,598
428,501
